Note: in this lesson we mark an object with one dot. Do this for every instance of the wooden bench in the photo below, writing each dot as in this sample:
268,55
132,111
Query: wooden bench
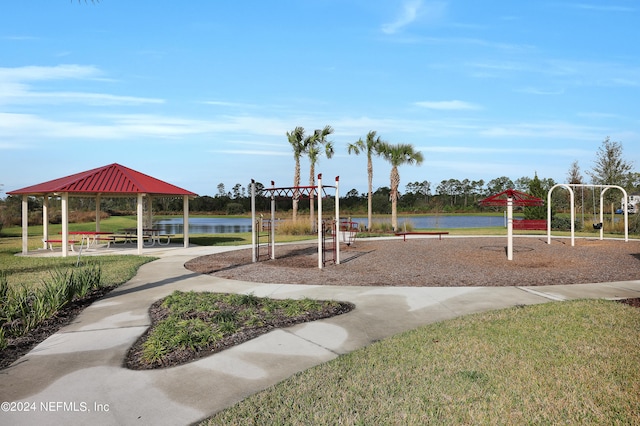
50,243
404,234
530,224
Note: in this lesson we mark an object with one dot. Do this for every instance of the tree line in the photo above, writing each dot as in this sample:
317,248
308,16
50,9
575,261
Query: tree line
448,196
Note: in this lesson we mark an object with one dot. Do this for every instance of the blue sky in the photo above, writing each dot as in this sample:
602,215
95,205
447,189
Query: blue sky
199,93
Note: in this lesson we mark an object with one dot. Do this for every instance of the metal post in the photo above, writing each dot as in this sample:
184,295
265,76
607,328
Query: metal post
253,221
601,214
510,228
336,237
272,231
319,220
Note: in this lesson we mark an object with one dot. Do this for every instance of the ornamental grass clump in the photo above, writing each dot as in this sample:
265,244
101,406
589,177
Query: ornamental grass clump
23,308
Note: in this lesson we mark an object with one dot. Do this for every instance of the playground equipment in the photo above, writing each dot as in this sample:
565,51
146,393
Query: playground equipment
348,231
326,231
511,198
598,225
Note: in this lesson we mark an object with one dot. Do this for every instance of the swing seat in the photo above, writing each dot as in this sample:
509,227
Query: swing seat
597,225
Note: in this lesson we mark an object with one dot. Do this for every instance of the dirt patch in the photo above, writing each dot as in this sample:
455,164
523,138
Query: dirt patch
421,262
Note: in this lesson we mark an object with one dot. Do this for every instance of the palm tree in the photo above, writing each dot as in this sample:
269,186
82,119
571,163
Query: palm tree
397,155
313,145
370,147
296,139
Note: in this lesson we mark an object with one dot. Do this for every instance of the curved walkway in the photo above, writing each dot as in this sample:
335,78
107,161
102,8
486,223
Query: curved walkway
76,376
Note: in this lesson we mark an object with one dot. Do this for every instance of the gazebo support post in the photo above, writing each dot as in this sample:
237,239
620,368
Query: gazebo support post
25,224
45,220
185,220
139,227
65,223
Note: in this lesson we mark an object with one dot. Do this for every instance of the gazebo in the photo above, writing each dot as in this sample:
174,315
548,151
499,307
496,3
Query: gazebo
113,180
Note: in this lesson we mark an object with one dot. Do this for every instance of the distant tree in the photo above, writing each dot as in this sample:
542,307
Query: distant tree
535,188
381,204
425,190
314,146
497,185
236,191
573,175
296,140
478,189
221,191
633,182
397,155
522,184
422,189
610,168
370,147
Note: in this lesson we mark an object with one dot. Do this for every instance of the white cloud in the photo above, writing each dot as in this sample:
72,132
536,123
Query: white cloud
550,130
409,14
33,73
252,152
502,151
447,105
600,8
15,87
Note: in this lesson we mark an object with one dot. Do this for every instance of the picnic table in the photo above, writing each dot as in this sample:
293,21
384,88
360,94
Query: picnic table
151,235
91,239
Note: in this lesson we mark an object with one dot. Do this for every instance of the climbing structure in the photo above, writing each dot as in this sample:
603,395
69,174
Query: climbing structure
294,192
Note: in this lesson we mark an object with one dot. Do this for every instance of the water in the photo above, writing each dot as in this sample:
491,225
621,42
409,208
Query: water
222,225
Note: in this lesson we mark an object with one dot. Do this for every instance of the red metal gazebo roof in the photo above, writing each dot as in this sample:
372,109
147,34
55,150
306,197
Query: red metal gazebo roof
113,179
518,198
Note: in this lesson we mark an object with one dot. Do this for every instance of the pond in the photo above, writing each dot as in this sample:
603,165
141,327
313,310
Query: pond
222,225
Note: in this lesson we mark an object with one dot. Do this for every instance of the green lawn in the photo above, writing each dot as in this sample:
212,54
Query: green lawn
555,363
570,362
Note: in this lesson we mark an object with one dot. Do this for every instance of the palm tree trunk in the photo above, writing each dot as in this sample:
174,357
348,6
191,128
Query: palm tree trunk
395,182
296,183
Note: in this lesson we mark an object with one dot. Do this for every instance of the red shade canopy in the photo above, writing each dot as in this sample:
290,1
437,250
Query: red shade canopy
113,179
518,198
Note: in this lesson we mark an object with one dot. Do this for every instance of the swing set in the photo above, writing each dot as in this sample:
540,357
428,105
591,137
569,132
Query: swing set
596,225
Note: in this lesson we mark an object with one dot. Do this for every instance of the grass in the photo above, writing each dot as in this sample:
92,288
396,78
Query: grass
189,325
556,363
32,271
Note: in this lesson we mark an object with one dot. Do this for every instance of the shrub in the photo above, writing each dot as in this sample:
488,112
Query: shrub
289,227
22,309
235,208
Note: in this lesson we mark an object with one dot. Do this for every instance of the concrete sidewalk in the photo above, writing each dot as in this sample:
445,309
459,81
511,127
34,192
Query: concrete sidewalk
76,376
